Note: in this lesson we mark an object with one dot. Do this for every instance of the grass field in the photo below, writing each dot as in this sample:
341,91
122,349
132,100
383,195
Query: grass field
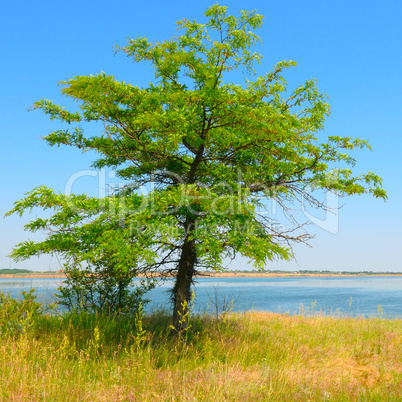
253,356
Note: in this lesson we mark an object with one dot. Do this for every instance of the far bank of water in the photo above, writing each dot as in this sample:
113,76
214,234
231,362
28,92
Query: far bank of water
352,296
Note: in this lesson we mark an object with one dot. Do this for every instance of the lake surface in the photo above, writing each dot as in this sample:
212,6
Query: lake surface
352,296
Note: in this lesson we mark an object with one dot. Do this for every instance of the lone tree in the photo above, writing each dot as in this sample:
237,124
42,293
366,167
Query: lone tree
209,151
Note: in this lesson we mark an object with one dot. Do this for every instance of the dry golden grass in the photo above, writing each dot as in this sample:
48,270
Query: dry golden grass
246,357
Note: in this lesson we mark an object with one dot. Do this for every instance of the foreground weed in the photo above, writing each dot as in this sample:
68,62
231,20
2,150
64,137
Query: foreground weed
140,336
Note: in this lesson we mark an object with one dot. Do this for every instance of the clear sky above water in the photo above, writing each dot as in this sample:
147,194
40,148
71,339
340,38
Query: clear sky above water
352,48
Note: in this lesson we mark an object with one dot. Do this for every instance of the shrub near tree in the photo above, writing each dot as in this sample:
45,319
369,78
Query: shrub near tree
210,150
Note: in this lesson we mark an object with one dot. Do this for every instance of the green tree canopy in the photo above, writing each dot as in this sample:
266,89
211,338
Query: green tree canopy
212,149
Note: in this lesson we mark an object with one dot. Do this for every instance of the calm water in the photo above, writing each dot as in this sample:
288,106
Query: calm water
347,296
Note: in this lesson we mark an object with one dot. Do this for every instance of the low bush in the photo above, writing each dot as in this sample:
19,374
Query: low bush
16,316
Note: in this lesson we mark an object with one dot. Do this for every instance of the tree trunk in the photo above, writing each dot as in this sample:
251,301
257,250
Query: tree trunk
184,279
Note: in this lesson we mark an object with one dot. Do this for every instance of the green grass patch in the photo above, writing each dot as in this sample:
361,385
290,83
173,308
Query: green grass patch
250,356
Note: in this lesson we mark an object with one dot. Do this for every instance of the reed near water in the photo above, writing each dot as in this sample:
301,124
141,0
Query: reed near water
233,356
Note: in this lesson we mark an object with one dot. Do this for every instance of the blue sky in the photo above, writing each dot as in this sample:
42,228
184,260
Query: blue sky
352,48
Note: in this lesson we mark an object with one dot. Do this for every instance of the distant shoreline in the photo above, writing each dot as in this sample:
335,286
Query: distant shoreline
38,275
291,274
227,275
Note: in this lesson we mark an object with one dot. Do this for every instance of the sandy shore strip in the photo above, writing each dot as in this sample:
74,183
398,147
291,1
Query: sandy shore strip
228,275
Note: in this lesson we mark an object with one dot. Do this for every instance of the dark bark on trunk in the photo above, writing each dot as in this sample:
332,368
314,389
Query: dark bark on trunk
184,279
187,263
